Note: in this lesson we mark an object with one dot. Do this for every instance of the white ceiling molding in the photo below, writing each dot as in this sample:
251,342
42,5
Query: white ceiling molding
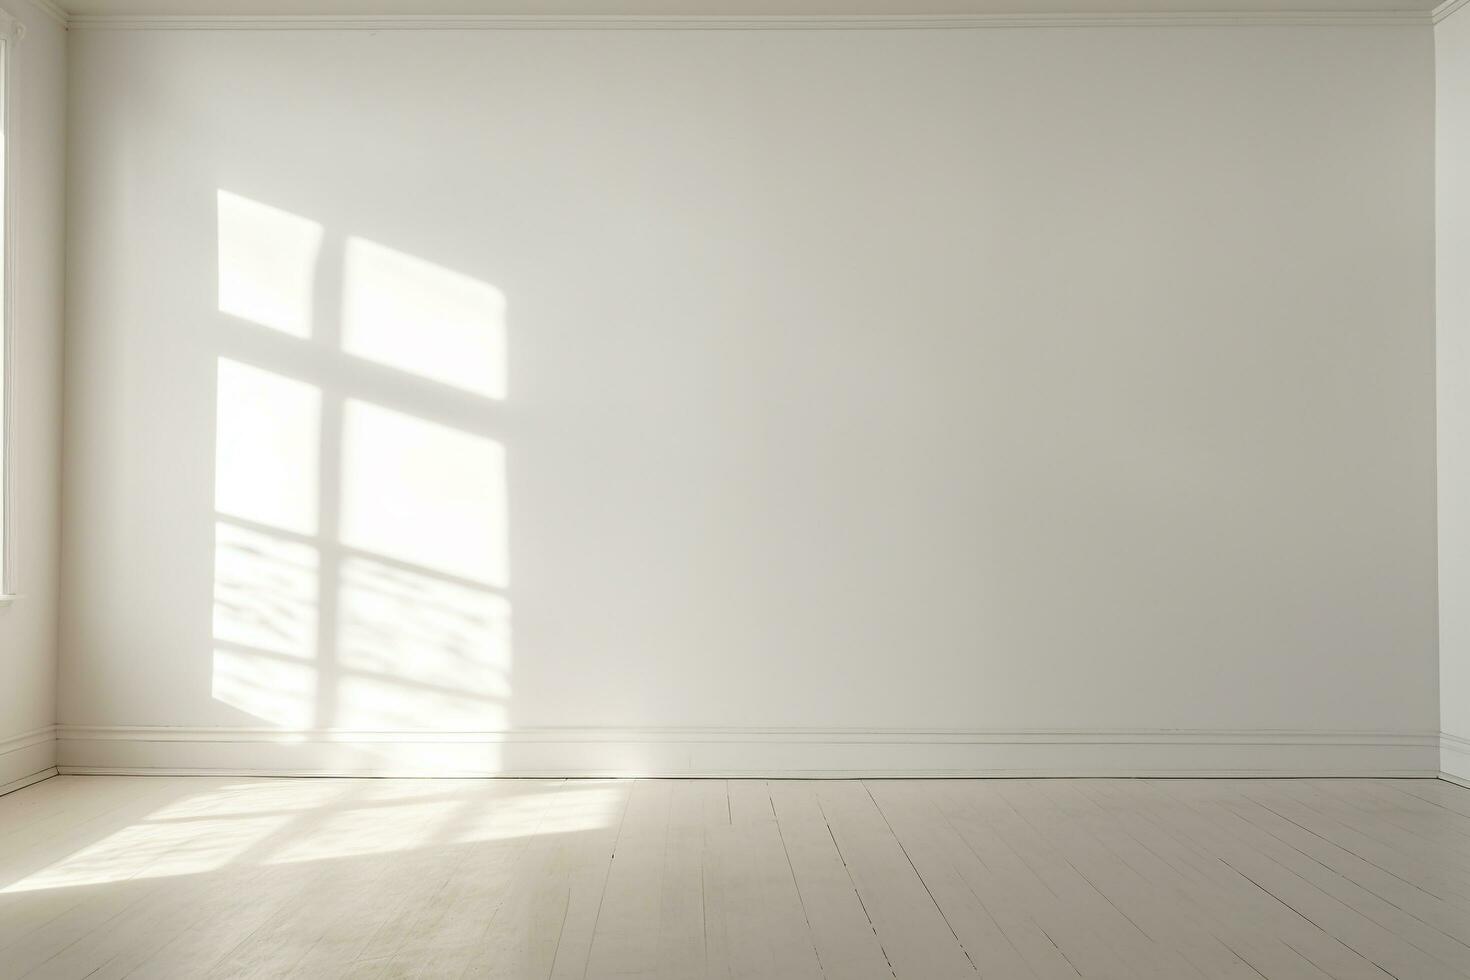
509,22
1445,9
52,10
11,29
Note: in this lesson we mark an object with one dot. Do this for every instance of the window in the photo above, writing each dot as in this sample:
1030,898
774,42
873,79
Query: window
10,32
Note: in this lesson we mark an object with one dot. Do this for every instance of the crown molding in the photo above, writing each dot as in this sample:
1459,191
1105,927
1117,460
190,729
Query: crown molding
499,22
11,27
1438,14
51,10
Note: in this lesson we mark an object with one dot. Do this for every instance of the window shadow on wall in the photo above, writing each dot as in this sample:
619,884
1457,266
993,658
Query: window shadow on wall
361,563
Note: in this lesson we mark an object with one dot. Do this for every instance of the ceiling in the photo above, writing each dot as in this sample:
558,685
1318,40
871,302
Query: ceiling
726,8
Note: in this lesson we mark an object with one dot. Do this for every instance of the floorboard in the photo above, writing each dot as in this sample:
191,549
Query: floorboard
126,878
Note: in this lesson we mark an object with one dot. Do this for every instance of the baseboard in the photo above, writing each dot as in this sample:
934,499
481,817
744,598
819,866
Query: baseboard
1454,759
730,752
27,758
30,780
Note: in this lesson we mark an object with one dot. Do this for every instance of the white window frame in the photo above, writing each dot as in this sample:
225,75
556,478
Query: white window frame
11,31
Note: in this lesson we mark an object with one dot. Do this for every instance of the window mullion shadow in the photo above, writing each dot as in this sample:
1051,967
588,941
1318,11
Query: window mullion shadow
327,315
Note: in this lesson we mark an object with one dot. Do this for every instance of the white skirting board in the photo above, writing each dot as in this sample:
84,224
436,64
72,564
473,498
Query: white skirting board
745,752
1454,758
27,758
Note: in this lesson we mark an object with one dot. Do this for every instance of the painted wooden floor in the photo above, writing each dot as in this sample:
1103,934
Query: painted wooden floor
109,877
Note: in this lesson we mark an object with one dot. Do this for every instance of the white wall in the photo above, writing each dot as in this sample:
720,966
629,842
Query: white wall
865,394
28,625
1452,135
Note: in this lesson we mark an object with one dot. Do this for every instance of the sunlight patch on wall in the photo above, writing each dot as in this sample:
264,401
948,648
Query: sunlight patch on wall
415,316
265,624
265,591
275,689
424,494
267,431
360,552
267,264
418,652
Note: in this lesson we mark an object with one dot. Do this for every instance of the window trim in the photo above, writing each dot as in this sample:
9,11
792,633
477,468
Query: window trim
11,31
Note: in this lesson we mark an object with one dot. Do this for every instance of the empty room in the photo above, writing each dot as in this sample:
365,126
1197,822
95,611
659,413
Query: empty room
788,489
